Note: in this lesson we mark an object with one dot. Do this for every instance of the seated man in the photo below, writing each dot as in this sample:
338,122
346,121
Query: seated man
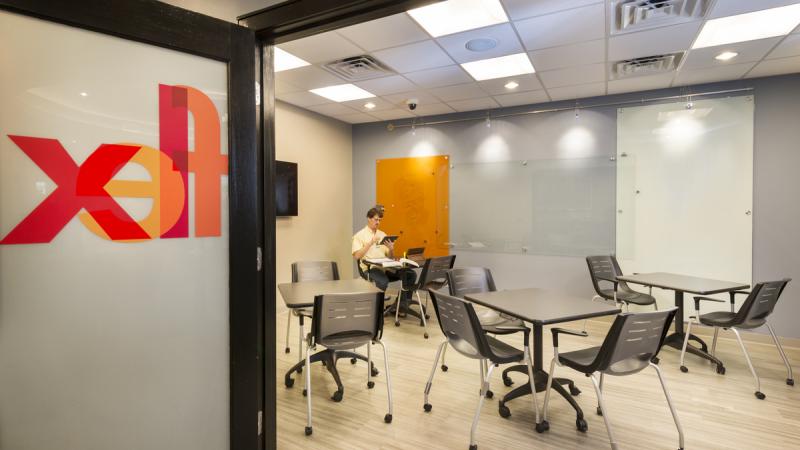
365,245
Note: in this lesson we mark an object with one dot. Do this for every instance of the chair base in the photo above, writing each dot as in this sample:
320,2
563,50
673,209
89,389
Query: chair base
790,382
540,379
328,358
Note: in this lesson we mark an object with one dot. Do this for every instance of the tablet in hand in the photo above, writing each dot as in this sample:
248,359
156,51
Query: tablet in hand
386,239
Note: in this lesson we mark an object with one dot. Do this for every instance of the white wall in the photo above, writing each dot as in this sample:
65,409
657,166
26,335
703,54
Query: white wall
323,150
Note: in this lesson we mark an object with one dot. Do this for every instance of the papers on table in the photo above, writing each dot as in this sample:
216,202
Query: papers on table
388,262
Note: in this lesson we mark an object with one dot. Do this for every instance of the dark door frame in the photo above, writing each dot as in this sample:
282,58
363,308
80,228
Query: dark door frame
167,26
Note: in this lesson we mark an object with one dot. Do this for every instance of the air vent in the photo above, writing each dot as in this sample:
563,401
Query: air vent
637,15
648,65
357,68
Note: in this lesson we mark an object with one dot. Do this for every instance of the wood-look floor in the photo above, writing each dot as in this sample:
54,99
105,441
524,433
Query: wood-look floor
717,412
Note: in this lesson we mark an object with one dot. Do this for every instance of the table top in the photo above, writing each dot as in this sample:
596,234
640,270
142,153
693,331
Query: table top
301,294
684,283
541,306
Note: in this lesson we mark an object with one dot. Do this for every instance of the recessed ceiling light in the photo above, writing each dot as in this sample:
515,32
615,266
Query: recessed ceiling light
454,16
726,56
480,44
285,60
512,85
84,94
749,27
342,92
504,66
369,105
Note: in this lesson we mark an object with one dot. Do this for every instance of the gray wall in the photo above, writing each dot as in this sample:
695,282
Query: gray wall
776,240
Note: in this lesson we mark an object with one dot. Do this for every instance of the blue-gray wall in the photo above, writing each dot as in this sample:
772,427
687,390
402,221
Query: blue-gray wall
776,209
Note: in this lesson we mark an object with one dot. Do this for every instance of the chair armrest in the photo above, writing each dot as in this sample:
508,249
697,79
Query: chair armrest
697,301
740,292
511,327
556,332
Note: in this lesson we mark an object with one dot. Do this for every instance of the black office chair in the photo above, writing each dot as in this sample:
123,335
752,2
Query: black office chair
632,341
756,308
605,268
308,271
343,322
463,331
433,276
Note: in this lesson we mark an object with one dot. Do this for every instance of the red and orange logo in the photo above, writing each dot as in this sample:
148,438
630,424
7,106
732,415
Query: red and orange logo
88,190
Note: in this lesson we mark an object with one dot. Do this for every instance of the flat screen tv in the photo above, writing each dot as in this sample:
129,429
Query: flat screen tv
285,188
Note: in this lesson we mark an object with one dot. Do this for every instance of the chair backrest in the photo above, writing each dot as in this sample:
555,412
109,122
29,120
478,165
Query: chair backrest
314,271
604,266
347,320
469,280
634,338
760,303
460,324
416,254
435,269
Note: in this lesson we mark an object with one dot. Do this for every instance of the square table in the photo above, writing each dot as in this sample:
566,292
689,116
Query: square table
542,307
680,284
301,295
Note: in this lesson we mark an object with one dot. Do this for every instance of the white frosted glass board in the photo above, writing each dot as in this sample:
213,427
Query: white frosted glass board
543,207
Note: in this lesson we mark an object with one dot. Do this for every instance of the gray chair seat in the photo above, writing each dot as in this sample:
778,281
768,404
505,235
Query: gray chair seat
504,353
579,360
346,340
305,312
495,323
727,319
637,298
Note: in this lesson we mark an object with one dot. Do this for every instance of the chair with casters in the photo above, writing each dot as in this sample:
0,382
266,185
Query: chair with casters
343,322
604,268
471,280
753,313
432,277
463,332
308,271
631,343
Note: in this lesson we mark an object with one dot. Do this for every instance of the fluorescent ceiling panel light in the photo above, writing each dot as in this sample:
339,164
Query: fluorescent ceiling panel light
749,27
454,16
285,60
342,92
504,66
512,85
726,56
369,105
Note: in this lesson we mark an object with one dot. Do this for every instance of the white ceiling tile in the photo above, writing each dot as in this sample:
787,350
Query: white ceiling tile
432,109
578,54
414,57
522,98
308,77
474,104
380,104
725,8
520,9
749,51
440,76
386,85
789,47
392,114
303,99
776,67
503,34
332,109
580,91
566,27
282,86
322,48
636,84
498,85
391,31
573,75
422,97
356,118
458,92
709,75
653,42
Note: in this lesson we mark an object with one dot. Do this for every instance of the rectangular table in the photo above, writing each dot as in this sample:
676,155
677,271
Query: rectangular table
681,284
301,295
542,307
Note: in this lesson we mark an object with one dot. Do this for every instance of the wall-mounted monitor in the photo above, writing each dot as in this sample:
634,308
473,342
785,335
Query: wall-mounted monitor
285,188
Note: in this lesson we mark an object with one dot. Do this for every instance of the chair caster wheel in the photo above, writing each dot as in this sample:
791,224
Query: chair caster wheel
300,370
655,360
427,316
426,335
353,360
287,350
581,425
370,384
760,395
599,411
473,447
721,370
790,382
337,396
289,382
387,418
489,394
308,431
397,323
684,369
508,381
444,368
375,372
542,426
427,407
504,411
574,390
305,393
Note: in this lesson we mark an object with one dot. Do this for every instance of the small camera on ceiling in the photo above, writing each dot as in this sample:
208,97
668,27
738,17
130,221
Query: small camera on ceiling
412,103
